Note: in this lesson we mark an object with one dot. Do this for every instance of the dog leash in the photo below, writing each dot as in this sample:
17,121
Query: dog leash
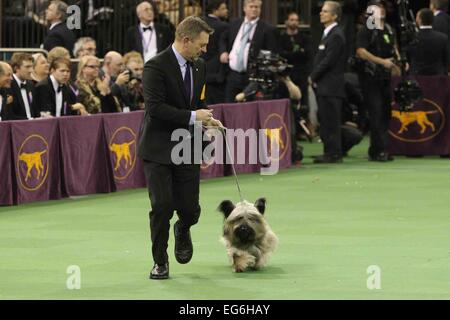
223,129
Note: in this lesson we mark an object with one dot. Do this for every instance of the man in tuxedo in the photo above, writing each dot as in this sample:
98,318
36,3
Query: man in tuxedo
5,83
241,43
22,88
327,78
54,97
173,85
441,21
215,70
429,57
148,38
58,34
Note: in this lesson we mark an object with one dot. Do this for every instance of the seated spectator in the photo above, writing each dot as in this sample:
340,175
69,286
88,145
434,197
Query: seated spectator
22,88
85,46
41,68
94,93
114,70
58,33
5,83
54,96
131,95
58,52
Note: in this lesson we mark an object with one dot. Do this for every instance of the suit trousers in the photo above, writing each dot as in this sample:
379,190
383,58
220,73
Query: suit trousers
330,110
171,188
377,97
236,83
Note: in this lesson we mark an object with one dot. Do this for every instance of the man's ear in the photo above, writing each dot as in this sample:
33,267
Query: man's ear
260,204
226,207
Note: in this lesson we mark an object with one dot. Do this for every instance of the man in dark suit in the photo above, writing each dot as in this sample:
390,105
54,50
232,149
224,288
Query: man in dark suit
22,88
53,96
241,43
5,83
215,70
173,83
148,38
58,34
429,57
328,79
441,21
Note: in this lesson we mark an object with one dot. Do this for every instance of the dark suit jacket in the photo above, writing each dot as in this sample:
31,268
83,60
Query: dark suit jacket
6,109
60,36
329,65
133,40
215,70
441,23
18,111
430,56
166,106
45,98
263,39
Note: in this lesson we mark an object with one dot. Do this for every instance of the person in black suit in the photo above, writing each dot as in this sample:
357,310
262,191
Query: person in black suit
441,21
148,38
54,97
5,83
173,83
429,57
327,78
241,43
215,70
22,88
58,34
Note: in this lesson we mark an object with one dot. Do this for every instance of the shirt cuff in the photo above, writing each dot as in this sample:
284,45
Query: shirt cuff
193,118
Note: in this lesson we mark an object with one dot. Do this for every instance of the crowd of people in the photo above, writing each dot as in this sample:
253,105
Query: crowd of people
39,85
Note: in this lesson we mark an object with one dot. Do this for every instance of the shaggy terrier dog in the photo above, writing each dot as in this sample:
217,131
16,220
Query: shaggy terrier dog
247,235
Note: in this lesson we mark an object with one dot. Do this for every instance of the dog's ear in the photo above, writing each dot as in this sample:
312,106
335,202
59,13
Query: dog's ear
226,207
260,204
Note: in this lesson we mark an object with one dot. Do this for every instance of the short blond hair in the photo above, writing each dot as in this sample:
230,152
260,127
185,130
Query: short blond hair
58,52
191,27
132,56
83,62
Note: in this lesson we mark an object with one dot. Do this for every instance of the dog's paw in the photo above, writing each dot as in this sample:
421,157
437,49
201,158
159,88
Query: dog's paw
238,269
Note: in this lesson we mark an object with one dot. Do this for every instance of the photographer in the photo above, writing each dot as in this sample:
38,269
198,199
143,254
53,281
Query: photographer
376,47
269,79
131,94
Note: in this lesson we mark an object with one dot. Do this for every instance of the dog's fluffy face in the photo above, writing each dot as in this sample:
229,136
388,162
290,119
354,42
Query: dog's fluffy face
246,234
244,223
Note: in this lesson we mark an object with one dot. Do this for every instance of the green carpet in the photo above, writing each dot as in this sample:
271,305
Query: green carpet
333,222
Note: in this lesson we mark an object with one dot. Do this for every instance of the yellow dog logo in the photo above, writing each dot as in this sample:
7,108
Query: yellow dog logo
419,117
274,136
122,151
33,160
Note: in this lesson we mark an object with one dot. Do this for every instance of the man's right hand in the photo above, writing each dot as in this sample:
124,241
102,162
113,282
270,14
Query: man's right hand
225,57
203,115
388,63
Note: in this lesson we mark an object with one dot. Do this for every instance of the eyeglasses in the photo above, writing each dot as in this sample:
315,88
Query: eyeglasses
92,67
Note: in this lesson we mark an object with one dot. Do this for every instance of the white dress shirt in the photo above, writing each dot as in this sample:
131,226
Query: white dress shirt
58,95
54,25
237,45
25,100
148,41
328,29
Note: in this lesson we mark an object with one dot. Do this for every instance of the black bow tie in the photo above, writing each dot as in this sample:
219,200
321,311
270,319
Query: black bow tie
23,85
147,29
59,89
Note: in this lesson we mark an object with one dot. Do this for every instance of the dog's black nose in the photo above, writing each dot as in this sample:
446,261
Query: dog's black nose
244,232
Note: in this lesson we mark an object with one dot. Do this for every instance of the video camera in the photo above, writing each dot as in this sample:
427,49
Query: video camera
264,74
408,91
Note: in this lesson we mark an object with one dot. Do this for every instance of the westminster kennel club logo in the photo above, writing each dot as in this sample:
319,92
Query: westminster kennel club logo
423,123
277,133
33,162
123,149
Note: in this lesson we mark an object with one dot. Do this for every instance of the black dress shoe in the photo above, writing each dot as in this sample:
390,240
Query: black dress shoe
327,159
381,157
183,244
160,272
